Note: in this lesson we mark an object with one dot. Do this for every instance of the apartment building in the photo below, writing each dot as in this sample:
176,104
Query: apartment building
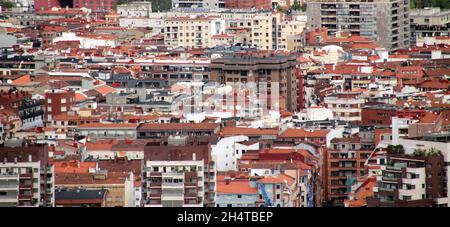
18,66
174,70
414,180
289,34
385,21
192,31
429,22
108,131
26,175
228,150
118,185
441,142
135,9
179,172
343,166
378,114
249,4
198,4
269,72
346,106
265,29
57,102
158,130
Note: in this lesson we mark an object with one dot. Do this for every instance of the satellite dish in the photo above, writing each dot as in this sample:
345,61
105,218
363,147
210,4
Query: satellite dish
9,81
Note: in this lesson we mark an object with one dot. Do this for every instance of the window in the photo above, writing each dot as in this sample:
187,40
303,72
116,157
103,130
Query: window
49,109
63,100
239,196
278,196
63,109
49,100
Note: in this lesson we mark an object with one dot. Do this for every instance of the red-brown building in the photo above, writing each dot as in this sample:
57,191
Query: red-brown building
57,102
378,115
248,4
343,166
318,137
48,33
94,5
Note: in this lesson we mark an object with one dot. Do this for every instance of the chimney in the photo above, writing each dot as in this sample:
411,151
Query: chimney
15,160
30,158
194,156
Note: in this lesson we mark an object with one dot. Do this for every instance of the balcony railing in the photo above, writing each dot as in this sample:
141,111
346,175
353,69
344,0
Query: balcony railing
8,176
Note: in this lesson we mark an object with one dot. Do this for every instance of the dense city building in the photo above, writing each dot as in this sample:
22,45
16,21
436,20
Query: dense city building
384,21
224,103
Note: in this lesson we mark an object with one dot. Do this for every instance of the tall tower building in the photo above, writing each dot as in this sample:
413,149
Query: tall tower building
385,21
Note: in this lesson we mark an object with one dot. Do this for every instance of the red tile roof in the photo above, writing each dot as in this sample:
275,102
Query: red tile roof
302,133
232,131
236,187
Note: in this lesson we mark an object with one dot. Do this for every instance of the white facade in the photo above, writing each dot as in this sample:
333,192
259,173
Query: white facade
205,4
226,152
315,114
9,182
172,187
86,42
135,9
399,128
345,108
410,145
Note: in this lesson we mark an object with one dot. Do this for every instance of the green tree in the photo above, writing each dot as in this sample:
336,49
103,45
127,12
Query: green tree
395,149
6,4
434,152
157,5
419,153
295,6
419,4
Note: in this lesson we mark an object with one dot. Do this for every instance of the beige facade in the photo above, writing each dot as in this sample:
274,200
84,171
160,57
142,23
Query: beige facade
385,21
193,31
289,37
265,28
430,16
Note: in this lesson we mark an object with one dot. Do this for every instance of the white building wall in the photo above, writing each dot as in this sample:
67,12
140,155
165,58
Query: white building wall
226,152
410,145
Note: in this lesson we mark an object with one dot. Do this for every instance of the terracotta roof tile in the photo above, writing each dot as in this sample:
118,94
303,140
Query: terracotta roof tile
302,133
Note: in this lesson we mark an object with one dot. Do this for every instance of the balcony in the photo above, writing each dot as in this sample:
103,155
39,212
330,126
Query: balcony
6,186
8,199
26,176
173,175
155,184
8,176
190,185
154,196
154,174
172,197
25,186
172,185
391,179
190,195
25,197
